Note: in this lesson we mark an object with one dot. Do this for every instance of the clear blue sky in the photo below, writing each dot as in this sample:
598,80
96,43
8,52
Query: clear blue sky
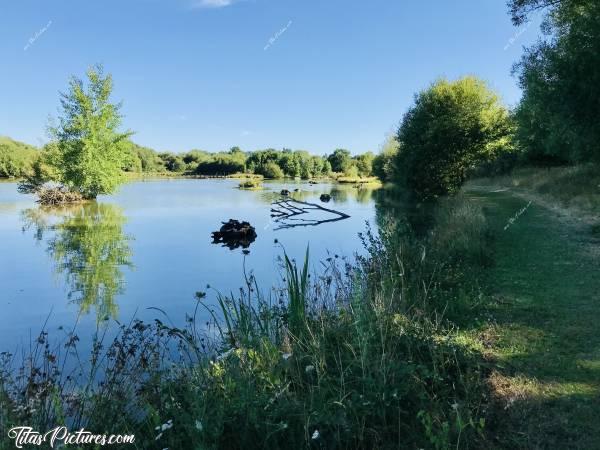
196,74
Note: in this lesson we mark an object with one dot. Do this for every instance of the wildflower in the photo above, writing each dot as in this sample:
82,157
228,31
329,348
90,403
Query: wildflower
286,356
315,435
309,369
198,425
454,406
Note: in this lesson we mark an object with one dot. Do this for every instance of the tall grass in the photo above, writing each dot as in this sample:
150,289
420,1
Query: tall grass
359,355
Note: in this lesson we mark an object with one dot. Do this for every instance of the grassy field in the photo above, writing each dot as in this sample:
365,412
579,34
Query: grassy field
540,331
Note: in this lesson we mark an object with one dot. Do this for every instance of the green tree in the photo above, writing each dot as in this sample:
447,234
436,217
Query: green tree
451,127
560,78
383,164
340,160
364,164
272,170
91,152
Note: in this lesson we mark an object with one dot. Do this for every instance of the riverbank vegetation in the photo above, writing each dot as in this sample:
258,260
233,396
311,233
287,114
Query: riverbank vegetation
16,158
360,355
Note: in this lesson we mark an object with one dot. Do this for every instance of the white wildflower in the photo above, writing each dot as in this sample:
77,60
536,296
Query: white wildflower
198,425
315,435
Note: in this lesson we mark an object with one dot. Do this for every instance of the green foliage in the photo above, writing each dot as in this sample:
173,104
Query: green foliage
90,152
222,164
144,159
451,127
383,163
297,290
560,78
340,160
272,171
16,158
364,164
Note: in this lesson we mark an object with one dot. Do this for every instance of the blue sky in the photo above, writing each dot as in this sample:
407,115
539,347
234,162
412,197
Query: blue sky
210,74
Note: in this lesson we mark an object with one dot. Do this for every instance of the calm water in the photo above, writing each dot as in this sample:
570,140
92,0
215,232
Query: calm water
150,246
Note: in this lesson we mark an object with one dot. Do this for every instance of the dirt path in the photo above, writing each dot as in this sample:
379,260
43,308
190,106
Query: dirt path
544,329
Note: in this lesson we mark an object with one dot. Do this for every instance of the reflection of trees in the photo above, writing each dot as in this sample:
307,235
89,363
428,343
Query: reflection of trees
89,248
363,194
340,193
395,209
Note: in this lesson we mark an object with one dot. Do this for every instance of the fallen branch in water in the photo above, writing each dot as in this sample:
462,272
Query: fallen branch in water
288,209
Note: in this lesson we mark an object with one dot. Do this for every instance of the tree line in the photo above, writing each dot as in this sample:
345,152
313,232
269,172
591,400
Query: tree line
270,163
456,129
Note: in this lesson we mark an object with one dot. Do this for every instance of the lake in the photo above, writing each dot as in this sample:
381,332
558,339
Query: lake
150,245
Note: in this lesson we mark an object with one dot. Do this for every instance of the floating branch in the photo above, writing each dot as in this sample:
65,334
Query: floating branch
290,213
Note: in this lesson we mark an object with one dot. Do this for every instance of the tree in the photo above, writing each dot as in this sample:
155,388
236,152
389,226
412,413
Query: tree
451,127
364,164
272,170
90,151
521,9
383,164
340,160
560,78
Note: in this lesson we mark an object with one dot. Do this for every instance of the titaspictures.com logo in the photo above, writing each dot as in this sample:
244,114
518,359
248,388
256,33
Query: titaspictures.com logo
60,436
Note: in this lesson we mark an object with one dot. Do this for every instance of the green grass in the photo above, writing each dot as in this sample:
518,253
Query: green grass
542,327
573,190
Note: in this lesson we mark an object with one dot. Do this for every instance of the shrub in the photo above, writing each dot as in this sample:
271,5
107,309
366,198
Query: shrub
271,170
451,127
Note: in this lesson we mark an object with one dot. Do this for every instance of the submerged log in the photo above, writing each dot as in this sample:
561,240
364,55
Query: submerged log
235,234
290,213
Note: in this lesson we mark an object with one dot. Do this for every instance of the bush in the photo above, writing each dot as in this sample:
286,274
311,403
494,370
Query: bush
452,127
271,170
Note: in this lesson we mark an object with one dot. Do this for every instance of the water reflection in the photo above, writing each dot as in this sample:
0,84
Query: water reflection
339,193
90,249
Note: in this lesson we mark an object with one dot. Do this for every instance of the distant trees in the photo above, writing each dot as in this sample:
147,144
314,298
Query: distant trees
451,127
384,162
290,163
364,164
16,158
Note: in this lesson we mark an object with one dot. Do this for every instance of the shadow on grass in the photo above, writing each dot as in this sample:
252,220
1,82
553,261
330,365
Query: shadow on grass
543,337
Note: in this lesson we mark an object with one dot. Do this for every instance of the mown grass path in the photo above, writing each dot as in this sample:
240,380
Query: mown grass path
543,330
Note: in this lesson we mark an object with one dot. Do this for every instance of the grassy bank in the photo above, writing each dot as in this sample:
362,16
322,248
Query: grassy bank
363,354
539,326
571,191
